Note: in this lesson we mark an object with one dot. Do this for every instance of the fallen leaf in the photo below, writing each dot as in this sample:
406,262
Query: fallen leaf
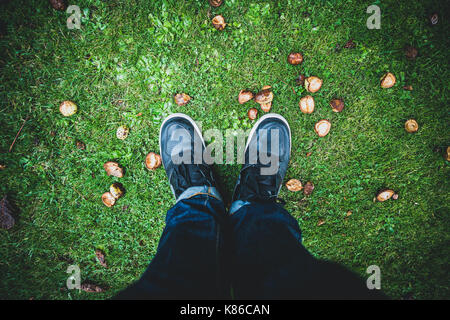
407,88
350,44
308,189
2,166
101,257
349,213
308,154
321,222
81,145
90,287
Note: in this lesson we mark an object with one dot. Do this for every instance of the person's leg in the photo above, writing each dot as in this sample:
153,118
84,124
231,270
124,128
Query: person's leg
189,263
269,260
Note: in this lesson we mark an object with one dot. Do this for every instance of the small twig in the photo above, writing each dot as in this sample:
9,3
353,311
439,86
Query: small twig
288,85
17,135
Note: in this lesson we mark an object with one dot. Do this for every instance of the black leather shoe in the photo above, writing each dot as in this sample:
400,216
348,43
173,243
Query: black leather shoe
181,148
267,155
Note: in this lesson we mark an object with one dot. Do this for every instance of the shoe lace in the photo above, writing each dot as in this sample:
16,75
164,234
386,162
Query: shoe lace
187,175
259,186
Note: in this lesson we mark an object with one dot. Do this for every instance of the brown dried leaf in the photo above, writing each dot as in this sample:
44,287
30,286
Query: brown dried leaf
81,145
349,213
90,287
308,189
350,44
7,220
100,257
320,222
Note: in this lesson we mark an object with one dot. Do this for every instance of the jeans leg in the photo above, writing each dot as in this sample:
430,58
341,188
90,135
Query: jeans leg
271,263
189,262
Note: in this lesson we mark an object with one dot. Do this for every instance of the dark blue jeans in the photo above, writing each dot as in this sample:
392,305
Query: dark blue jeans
255,253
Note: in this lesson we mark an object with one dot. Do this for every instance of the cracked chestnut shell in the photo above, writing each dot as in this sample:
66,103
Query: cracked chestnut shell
68,108
181,99
252,113
388,80
337,105
245,96
122,132
322,127
295,58
215,3
294,185
108,199
219,22
117,190
411,126
264,98
113,169
152,161
306,104
384,195
313,84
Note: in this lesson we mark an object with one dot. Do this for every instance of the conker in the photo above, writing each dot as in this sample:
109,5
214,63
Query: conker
252,113
337,105
295,58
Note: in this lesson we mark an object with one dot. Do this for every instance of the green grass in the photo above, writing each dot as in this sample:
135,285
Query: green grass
130,57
